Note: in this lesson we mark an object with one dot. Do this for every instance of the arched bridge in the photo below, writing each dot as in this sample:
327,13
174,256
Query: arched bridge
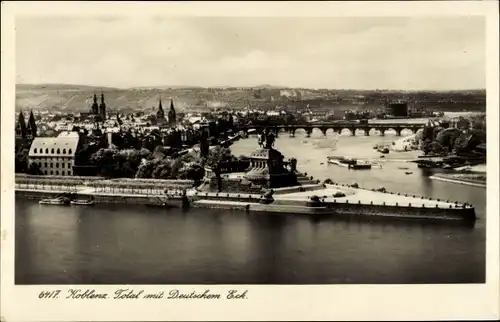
337,127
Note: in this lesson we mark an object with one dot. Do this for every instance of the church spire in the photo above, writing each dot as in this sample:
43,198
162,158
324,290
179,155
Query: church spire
160,113
171,114
102,107
31,125
95,108
21,125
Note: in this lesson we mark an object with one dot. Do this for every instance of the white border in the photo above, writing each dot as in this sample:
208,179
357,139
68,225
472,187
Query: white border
335,302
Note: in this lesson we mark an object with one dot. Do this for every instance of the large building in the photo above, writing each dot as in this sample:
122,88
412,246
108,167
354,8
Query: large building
55,155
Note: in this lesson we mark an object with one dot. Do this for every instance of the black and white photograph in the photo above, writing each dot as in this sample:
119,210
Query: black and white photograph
209,150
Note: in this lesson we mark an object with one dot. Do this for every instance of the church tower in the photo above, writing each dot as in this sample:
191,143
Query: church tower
31,128
95,108
160,113
21,126
171,114
102,108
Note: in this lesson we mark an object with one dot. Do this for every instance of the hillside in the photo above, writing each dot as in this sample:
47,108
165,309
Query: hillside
78,98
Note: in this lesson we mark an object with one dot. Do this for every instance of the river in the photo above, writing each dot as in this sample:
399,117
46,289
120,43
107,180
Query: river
118,244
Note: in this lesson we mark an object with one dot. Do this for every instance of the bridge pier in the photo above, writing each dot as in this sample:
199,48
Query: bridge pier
292,133
323,130
308,132
398,132
382,132
367,132
353,131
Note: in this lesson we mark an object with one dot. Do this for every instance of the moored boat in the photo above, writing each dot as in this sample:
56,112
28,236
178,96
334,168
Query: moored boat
82,202
54,201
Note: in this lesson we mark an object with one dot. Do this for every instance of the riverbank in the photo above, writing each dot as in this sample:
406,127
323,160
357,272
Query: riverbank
324,200
465,179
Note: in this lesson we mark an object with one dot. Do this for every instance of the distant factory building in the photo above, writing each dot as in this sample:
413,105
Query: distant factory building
397,108
55,155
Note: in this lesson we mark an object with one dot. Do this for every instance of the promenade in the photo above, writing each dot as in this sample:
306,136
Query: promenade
369,197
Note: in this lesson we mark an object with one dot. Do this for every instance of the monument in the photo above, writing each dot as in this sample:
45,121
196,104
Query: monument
264,169
267,166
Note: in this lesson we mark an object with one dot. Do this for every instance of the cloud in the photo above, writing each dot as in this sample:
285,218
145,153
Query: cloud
335,52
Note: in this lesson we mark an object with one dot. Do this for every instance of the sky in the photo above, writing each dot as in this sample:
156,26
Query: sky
407,53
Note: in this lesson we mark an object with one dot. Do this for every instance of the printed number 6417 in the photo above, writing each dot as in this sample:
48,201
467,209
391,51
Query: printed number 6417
49,294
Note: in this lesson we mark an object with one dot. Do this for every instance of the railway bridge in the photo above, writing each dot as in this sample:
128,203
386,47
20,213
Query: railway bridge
337,127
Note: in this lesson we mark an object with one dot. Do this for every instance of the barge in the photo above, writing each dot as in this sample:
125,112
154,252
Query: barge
350,163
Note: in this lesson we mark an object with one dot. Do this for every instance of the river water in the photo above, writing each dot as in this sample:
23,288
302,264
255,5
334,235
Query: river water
111,244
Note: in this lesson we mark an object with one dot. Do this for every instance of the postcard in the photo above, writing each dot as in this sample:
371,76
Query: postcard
250,161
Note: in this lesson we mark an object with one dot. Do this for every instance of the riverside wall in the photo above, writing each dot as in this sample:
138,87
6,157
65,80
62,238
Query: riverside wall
458,180
108,198
350,210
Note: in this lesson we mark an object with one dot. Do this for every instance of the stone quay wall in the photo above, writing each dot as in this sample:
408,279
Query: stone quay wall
458,213
108,198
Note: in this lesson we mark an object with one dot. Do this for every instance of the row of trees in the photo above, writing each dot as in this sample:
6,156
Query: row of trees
133,163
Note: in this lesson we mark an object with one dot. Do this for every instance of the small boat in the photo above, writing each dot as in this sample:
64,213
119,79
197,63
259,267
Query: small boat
384,150
350,163
360,166
82,202
408,172
54,201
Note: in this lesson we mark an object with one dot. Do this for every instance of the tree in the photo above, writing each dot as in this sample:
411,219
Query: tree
105,160
191,171
204,146
118,164
446,138
34,169
219,154
21,161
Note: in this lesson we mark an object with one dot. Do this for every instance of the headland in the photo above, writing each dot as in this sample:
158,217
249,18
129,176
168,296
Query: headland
263,182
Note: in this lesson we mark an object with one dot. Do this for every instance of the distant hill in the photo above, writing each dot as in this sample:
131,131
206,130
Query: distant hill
58,87
78,98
